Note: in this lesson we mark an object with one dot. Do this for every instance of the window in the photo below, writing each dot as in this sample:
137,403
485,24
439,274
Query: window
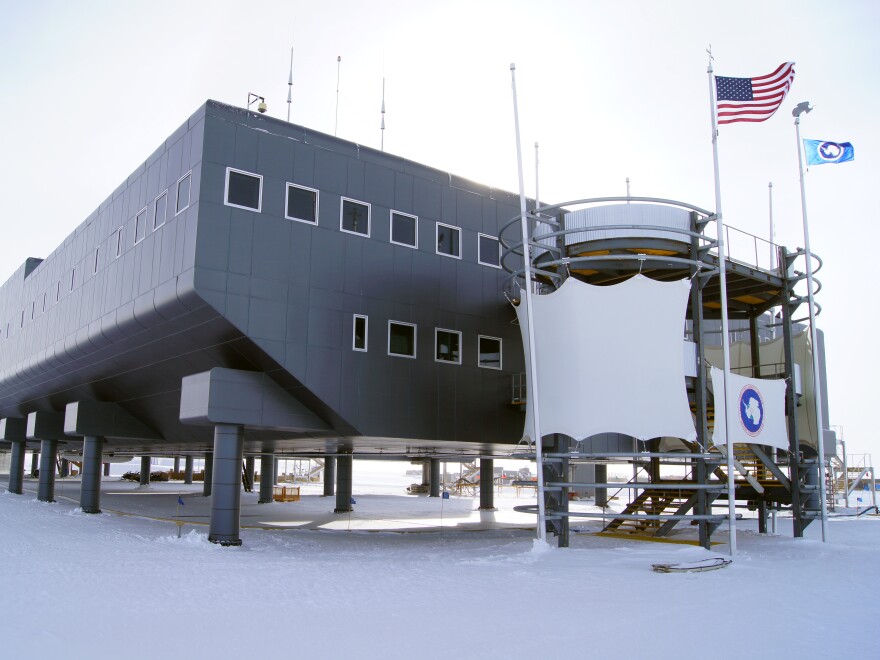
447,346
489,352
140,226
45,297
244,190
448,240
489,251
58,291
404,229
97,253
359,338
72,278
161,208
401,339
354,217
302,204
183,187
119,242
33,309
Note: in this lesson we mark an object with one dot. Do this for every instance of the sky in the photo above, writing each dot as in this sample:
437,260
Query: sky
610,91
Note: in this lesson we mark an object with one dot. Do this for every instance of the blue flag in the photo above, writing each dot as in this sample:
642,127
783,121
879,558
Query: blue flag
180,500
819,152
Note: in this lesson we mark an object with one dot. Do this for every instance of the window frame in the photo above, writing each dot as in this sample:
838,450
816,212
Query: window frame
140,214
369,206
391,214
500,353
437,332
414,341
287,203
156,223
481,235
226,201
437,240
354,320
178,209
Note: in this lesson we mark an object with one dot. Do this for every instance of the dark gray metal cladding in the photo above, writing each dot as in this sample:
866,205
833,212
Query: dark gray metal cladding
220,286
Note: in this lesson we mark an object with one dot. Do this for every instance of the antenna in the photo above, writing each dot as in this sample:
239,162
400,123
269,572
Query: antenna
290,85
627,190
383,113
537,194
338,67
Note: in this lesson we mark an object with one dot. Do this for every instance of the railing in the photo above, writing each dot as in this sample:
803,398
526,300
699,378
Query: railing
747,248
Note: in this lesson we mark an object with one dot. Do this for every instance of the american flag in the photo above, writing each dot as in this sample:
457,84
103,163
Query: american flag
752,99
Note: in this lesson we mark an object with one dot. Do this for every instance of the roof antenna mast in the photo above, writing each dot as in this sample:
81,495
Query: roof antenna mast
338,67
383,113
290,85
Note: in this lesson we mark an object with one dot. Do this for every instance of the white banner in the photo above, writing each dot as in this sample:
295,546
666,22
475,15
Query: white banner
609,359
757,410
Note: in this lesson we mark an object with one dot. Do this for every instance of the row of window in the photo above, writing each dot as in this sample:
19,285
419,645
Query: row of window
447,343
157,211
244,190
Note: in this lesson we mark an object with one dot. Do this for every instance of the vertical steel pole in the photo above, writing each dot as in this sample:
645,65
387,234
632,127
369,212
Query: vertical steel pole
725,339
530,324
817,378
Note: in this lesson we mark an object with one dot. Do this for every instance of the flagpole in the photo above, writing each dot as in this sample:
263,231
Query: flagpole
290,85
817,383
725,339
530,325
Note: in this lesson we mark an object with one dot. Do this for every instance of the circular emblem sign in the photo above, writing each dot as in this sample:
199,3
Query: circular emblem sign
751,410
830,151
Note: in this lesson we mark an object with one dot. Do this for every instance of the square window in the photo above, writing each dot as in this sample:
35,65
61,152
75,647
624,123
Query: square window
489,252
244,190
354,217
359,338
489,352
401,339
447,346
448,240
302,204
119,242
404,229
183,187
140,226
161,209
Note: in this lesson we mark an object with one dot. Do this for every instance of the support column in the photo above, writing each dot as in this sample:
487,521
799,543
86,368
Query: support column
35,463
329,476
188,463
701,472
343,483
177,464
250,467
64,471
226,485
48,453
209,474
106,469
145,470
16,466
790,303
601,477
267,478
13,430
435,478
90,490
487,484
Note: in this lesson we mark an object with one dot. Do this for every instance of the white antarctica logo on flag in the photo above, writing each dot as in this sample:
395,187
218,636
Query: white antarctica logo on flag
751,410
830,150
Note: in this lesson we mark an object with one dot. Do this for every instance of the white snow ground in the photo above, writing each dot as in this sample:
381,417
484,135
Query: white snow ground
74,585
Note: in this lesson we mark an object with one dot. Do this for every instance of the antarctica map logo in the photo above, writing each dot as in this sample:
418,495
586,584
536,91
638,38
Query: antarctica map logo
751,410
